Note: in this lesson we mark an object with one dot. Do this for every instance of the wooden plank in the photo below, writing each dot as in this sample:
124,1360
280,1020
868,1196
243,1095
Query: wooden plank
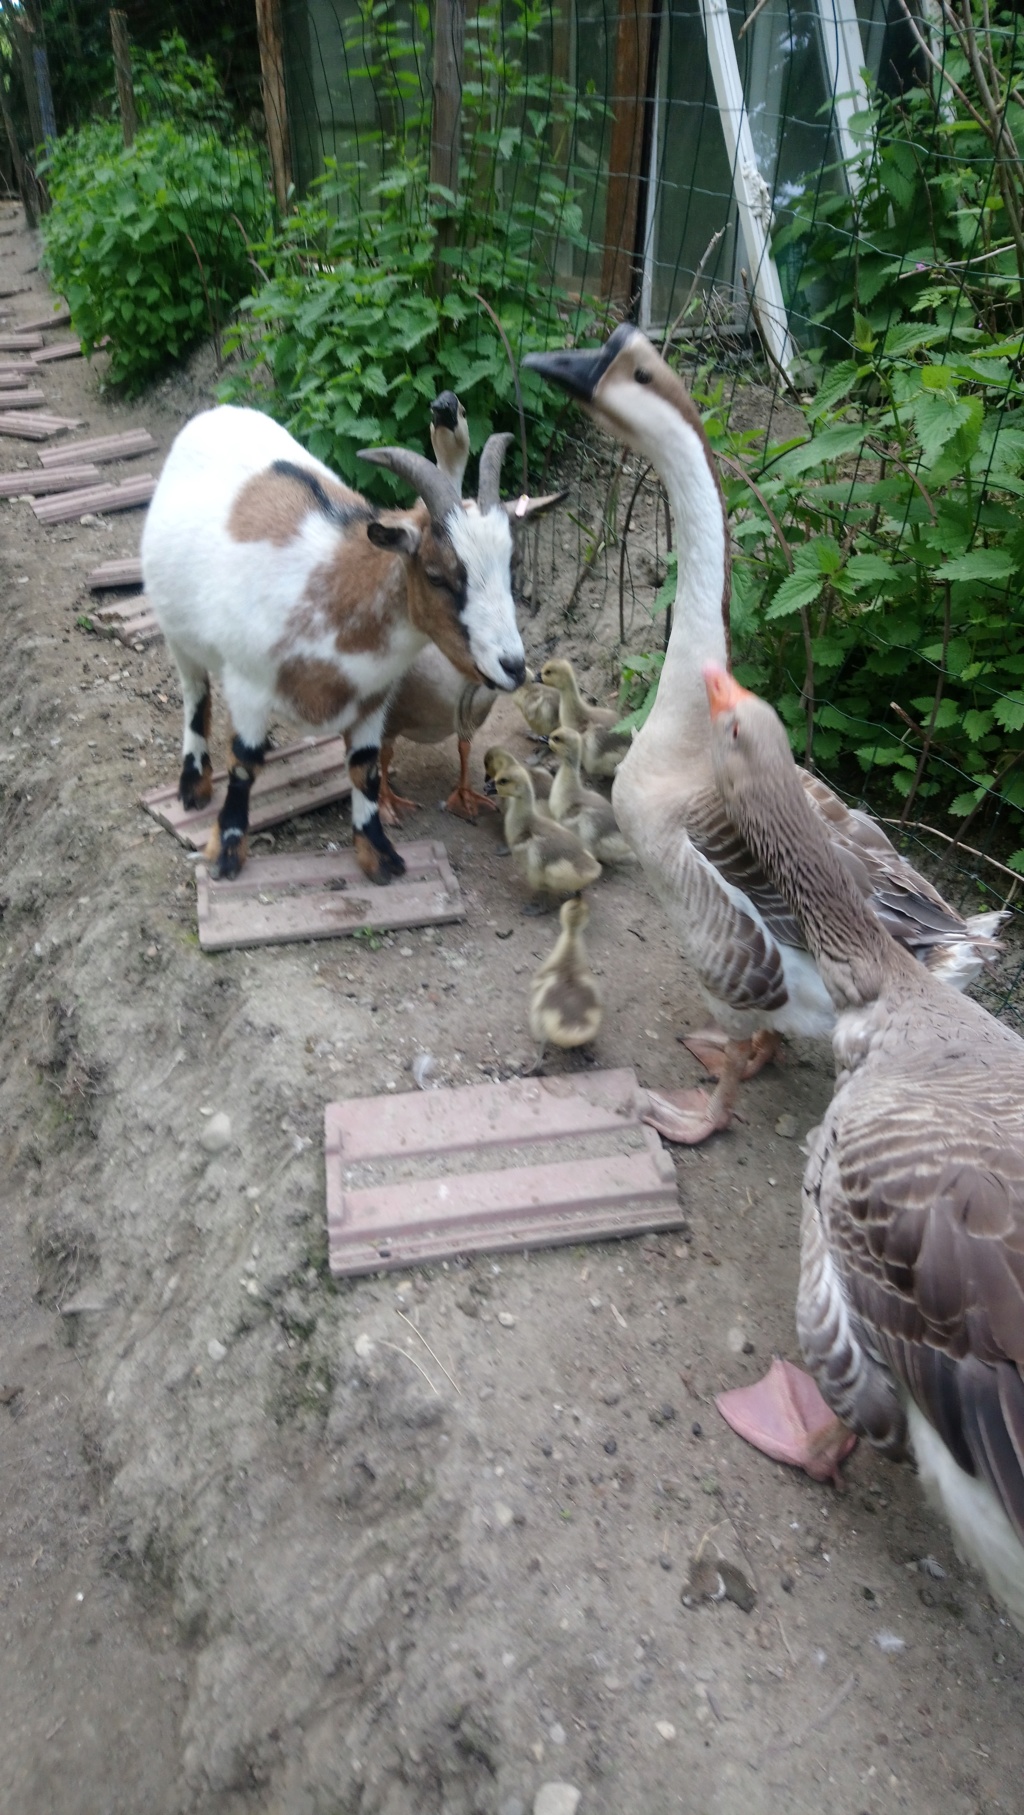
293,780
116,573
567,1160
445,117
753,199
123,75
629,96
844,64
282,900
35,428
58,349
101,448
36,481
96,498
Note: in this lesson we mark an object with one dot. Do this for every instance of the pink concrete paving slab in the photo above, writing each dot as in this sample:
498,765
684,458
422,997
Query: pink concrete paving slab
482,1115
116,573
20,340
36,481
578,1165
293,780
57,318
100,448
130,620
15,375
96,498
58,349
35,428
23,400
281,900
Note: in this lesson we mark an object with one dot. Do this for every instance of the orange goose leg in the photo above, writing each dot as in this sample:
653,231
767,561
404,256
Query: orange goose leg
389,804
785,1417
464,800
691,1116
710,1046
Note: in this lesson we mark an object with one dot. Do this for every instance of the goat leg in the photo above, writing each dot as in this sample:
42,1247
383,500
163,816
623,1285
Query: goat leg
195,783
228,843
375,854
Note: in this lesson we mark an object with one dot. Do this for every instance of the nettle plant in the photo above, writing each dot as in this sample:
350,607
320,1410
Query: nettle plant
149,242
371,304
877,565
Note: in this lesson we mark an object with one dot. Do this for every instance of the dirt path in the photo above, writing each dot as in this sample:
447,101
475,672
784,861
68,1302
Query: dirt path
253,1559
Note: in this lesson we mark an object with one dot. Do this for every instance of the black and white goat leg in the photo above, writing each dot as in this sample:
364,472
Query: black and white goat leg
375,853
195,783
227,845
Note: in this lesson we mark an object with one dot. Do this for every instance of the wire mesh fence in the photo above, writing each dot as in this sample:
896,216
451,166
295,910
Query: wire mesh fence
815,207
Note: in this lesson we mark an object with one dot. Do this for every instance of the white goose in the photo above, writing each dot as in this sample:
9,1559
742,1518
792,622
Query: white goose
911,1302
433,700
739,936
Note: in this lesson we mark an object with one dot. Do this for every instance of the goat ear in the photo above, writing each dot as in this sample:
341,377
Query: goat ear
404,538
520,510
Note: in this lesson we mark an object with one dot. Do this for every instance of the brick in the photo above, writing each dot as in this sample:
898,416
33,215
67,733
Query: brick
37,481
96,498
100,448
116,573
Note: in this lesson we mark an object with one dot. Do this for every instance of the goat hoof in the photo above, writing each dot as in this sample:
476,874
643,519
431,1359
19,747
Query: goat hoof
377,858
195,786
230,859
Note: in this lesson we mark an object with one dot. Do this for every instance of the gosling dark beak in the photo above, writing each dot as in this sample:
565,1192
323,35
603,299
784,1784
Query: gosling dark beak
489,788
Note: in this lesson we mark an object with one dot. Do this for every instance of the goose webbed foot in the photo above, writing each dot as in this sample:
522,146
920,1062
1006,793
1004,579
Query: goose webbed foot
687,1116
465,802
715,1051
785,1417
391,806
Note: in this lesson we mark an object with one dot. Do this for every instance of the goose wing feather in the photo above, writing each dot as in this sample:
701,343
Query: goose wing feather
922,1201
905,901
718,840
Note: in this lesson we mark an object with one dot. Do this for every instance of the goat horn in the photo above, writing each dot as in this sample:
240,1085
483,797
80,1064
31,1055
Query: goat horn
434,487
488,491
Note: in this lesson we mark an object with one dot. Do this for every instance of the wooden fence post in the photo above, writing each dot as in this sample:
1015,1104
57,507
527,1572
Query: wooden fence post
632,52
123,76
275,100
446,119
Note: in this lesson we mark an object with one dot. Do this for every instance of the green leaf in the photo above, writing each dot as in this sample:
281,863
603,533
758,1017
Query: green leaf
980,564
796,590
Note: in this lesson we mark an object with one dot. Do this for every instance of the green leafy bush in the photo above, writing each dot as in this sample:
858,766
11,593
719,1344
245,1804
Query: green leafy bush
371,302
878,563
149,243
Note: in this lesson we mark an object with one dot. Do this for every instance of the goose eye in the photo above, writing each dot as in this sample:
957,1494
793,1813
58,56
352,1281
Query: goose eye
642,375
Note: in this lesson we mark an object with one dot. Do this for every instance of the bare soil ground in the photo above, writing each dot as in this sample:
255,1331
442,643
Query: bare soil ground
261,1552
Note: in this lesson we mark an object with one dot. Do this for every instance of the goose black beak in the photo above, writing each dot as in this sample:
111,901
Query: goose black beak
580,373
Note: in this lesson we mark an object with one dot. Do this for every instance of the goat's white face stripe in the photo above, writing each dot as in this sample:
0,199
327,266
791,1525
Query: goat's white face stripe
484,546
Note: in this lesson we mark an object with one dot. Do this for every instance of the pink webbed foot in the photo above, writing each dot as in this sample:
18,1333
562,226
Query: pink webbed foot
785,1416
686,1116
714,1050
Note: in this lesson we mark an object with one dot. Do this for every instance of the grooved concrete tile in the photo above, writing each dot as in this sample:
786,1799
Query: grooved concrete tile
58,349
293,780
278,900
57,318
95,498
116,573
36,482
130,619
100,448
565,1159
23,400
35,428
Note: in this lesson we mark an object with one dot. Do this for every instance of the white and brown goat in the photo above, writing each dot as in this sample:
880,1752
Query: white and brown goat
307,603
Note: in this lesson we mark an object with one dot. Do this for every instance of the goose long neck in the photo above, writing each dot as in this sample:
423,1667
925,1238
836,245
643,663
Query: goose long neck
683,459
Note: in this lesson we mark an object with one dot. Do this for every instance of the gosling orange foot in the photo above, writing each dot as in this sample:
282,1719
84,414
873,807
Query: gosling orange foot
785,1416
